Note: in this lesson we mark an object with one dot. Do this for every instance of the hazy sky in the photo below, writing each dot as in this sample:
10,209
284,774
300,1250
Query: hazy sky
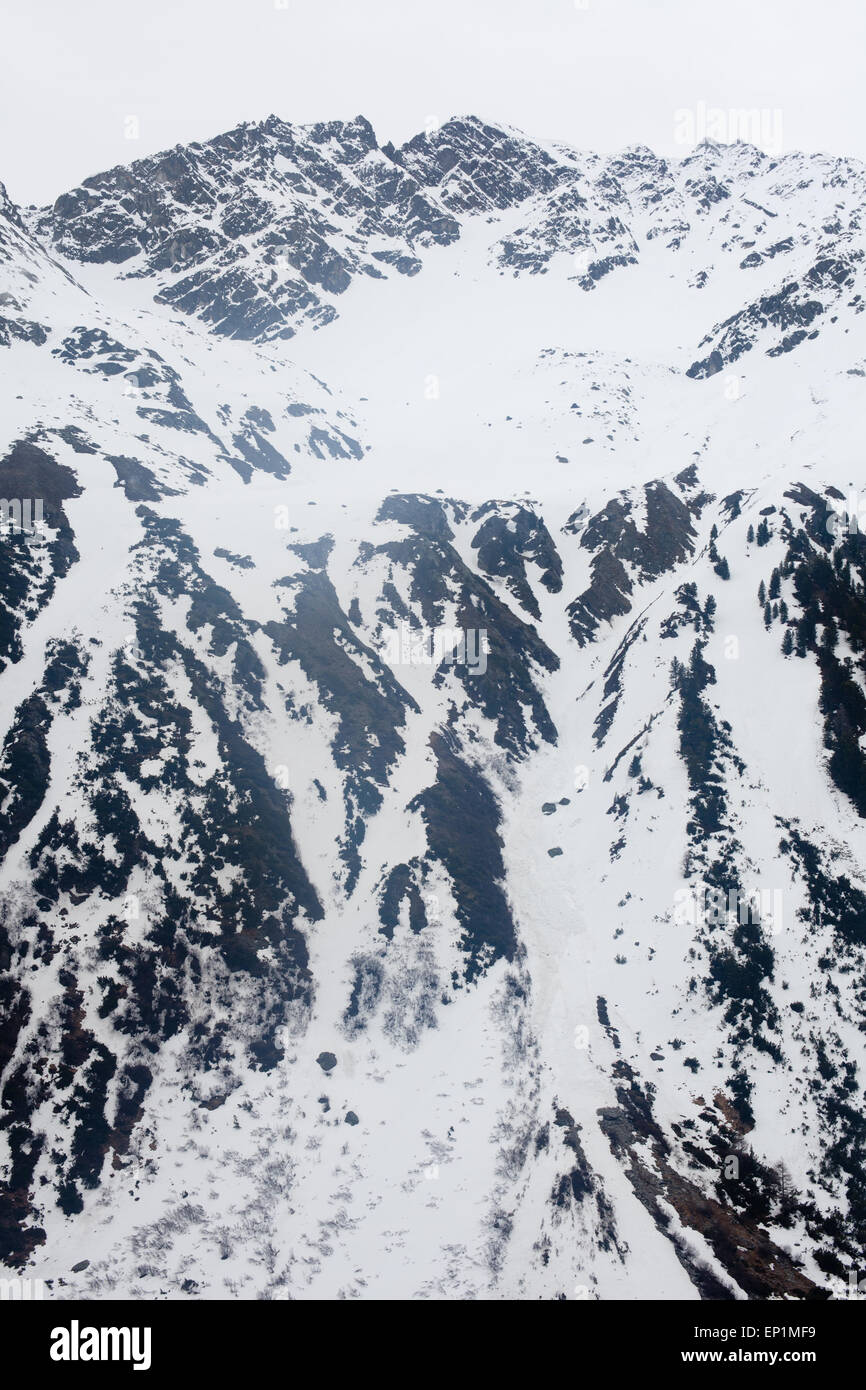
598,74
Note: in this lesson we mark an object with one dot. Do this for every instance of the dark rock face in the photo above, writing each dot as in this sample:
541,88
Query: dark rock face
506,540
30,568
736,1237
369,713
25,765
476,166
401,885
623,551
243,232
791,311
462,821
22,330
506,689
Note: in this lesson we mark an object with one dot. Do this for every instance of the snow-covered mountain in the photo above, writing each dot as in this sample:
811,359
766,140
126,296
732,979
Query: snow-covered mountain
433,671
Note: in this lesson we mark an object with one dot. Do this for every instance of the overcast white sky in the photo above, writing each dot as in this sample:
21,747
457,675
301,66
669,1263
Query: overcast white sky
607,75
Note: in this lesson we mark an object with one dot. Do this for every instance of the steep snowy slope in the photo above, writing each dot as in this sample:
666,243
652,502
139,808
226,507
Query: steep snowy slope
433,781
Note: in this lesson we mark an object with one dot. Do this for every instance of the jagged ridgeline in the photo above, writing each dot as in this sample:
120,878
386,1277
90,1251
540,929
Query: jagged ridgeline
433,693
